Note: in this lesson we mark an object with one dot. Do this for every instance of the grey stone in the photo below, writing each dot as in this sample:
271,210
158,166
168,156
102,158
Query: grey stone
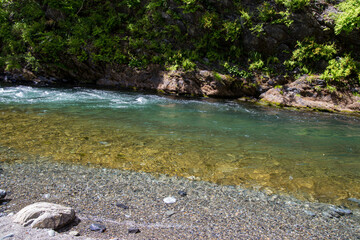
123,206
2,194
182,193
134,230
97,227
45,215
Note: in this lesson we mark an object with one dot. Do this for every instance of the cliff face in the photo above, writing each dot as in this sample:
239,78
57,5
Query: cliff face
213,48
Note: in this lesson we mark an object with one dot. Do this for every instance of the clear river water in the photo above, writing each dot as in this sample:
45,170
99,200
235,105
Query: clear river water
313,156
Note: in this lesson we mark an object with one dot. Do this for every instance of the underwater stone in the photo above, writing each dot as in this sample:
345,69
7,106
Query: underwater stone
355,200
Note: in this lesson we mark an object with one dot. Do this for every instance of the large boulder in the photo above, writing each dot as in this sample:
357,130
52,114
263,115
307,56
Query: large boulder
45,215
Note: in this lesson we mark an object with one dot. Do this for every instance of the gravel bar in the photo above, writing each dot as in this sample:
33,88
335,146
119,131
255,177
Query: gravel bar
131,205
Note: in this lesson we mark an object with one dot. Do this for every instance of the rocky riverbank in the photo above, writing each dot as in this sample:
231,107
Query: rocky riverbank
279,91
123,200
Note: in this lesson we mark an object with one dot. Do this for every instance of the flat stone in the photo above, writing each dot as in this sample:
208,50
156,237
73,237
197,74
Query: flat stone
169,200
97,227
123,206
74,233
2,194
45,215
134,230
51,233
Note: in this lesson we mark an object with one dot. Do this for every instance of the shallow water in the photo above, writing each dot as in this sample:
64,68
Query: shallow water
314,156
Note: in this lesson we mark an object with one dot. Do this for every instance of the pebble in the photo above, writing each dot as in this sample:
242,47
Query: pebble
341,211
51,233
310,213
134,230
182,193
2,194
169,213
46,196
11,235
74,233
97,227
169,200
123,206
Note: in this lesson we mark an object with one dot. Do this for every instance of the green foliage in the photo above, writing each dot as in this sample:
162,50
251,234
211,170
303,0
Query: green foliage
342,70
309,52
234,71
349,17
294,5
267,13
232,30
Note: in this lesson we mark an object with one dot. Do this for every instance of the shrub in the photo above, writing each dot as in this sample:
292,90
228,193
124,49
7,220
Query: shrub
308,53
342,70
349,18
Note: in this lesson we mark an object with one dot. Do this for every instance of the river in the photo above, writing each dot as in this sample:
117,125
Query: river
313,156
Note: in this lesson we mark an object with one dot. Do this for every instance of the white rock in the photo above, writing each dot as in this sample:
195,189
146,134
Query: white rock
51,233
169,200
45,215
74,233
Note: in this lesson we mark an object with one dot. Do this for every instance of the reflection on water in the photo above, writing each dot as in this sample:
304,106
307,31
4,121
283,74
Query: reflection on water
312,156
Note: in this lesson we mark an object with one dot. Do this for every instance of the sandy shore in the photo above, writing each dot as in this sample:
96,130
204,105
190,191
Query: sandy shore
208,211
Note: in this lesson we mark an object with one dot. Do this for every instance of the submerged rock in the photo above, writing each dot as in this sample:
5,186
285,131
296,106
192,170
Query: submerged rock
355,200
45,215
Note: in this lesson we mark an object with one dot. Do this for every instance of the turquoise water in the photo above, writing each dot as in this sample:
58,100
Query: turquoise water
314,156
